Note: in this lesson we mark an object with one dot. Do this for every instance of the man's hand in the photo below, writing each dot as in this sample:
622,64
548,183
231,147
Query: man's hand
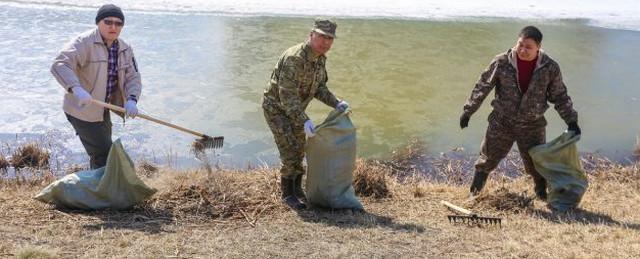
83,97
342,106
464,121
573,126
308,129
131,109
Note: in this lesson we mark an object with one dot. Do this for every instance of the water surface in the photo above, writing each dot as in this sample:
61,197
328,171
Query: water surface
405,79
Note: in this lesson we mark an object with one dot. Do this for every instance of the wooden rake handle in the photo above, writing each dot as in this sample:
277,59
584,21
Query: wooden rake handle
147,117
456,208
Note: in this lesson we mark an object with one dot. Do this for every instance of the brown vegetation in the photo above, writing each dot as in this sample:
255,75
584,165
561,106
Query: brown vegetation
4,164
74,168
198,148
196,196
228,213
370,179
35,253
504,200
30,155
146,168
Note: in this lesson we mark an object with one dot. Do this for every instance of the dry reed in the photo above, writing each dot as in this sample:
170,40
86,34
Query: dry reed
35,253
370,179
221,195
4,164
504,200
147,168
74,168
30,155
197,148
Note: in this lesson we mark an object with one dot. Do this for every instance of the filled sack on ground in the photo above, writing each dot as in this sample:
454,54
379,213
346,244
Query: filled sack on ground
558,162
331,159
115,186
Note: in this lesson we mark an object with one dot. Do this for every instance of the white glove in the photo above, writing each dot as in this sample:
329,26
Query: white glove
131,109
82,96
342,106
308,128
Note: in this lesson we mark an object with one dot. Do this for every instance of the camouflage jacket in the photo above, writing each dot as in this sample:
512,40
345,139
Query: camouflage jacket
546,85
295,81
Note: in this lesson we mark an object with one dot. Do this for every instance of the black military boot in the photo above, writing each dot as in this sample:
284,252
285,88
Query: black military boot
288,194
479,179
540,187
299,192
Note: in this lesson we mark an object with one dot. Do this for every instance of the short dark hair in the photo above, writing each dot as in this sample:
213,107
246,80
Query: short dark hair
531,32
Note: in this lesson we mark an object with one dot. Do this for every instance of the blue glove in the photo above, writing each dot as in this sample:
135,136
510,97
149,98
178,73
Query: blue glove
308,129
342,106
83,97
131,109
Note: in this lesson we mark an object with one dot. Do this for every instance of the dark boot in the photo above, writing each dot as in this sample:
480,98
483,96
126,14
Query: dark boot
288,194
540,187
298,189
479,179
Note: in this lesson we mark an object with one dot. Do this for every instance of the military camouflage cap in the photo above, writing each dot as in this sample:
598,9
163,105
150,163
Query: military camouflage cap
325,26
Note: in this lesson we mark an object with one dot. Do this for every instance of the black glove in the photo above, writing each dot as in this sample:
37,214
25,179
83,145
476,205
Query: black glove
464,121
573,126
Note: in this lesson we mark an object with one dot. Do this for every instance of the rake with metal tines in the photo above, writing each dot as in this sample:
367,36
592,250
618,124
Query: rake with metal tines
205,141
469,217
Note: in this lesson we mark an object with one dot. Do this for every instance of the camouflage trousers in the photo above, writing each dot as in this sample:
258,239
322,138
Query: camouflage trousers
290,140
499,138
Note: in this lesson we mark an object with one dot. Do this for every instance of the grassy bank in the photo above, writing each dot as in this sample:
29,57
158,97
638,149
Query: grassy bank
237,213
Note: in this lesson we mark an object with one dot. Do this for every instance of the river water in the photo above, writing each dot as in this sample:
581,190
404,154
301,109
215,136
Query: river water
405,69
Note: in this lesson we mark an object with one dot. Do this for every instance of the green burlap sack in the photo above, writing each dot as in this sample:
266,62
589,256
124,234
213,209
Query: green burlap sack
115,186
558,162
331,159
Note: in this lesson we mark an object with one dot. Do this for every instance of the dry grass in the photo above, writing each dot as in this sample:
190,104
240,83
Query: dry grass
196,196
504,200
238,214
30,155
4,164
35,253
452,167
146,168
370,179
74,168
621,174
198,148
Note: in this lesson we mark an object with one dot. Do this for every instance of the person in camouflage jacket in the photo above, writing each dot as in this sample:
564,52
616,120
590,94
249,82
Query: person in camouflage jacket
525,79
298,77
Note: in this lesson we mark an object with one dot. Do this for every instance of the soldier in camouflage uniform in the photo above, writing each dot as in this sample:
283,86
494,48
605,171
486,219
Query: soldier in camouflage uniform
298,77
525,79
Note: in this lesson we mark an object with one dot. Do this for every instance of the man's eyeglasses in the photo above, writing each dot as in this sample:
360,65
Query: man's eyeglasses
112,22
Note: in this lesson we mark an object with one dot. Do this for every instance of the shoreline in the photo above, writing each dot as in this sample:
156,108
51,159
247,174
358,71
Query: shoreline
411,159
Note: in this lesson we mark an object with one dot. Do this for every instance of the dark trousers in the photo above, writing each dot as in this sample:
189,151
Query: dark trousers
95,137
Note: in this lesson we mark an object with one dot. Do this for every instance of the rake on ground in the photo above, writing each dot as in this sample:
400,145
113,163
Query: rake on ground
468,216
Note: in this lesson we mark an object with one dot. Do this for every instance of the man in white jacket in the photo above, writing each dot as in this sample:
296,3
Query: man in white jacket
98,65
